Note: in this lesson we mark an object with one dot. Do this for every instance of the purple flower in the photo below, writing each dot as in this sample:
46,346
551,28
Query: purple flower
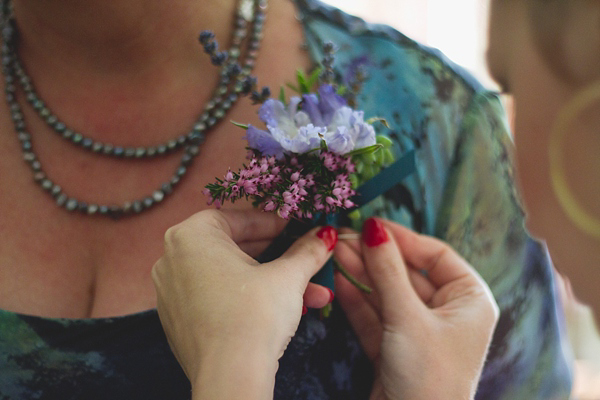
322,116
322,108
263,141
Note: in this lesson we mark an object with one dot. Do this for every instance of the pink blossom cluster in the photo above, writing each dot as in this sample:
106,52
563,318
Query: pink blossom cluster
297,186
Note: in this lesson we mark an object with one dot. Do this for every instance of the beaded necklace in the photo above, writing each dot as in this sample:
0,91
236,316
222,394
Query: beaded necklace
234,80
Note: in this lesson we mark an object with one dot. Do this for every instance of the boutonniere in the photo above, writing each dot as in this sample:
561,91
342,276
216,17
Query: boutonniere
312,153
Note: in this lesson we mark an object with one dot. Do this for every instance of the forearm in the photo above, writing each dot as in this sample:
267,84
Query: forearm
230,374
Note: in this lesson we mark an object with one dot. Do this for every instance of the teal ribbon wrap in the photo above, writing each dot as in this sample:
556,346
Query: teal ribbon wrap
375,187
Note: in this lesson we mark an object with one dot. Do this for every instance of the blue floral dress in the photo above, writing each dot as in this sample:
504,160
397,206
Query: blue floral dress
461,191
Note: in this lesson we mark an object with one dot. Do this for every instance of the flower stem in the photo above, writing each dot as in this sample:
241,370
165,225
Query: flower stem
351,278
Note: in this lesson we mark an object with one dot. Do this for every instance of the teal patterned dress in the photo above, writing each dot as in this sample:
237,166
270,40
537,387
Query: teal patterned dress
462,191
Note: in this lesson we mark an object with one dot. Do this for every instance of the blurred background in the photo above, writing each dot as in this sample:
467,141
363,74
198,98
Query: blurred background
457,27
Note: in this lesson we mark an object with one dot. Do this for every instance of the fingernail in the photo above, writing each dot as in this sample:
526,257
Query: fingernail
304,310
373,233
331,295
328,234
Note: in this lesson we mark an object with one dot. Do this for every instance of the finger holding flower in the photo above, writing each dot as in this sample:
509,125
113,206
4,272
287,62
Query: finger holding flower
429,310
227,317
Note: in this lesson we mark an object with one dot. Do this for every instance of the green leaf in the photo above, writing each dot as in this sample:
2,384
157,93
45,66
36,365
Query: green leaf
364,150
282,95
302,81
314,77
323,145
294,88
239,125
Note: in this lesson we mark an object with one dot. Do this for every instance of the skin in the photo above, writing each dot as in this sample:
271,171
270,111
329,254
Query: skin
122,72
543,71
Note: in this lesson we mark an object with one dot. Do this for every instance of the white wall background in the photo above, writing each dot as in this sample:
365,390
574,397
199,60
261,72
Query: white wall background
457,27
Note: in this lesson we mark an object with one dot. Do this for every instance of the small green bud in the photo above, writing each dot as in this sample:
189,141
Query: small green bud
354,215
368,172
380,157
359,166
388,156
384,140
353,180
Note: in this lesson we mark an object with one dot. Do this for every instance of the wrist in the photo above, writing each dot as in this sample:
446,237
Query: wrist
231,371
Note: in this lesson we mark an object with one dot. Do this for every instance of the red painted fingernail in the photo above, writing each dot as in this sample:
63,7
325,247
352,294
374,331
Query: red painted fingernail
331,295
373,233
304,310
329,235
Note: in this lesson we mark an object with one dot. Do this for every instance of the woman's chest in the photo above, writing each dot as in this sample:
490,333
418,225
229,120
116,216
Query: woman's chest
67,264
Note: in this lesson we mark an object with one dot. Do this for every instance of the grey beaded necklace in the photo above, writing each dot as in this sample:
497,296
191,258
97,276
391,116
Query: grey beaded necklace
235,80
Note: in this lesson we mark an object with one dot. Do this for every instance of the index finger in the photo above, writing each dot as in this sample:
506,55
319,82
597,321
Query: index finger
441,263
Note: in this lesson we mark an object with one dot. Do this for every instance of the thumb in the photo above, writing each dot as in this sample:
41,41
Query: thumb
309,253
386,268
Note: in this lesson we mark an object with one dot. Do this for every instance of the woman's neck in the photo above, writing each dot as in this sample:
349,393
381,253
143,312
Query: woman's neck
106,66
109,36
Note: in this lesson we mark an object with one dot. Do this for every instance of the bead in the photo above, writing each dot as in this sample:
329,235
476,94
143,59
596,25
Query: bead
157,196
71,204
140,152
87,143
56,190
148,202
92,209
29,157
186,159
137,207
97,147
46,184
39,177
129,152
61,199
166,188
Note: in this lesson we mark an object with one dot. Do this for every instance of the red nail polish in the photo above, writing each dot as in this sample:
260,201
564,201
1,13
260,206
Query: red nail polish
304,310
329,235
373,233
331,295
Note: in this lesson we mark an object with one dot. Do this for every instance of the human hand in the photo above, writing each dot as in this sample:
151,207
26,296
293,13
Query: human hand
228,318
427,336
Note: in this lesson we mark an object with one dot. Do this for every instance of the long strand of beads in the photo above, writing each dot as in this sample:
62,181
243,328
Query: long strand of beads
226,94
